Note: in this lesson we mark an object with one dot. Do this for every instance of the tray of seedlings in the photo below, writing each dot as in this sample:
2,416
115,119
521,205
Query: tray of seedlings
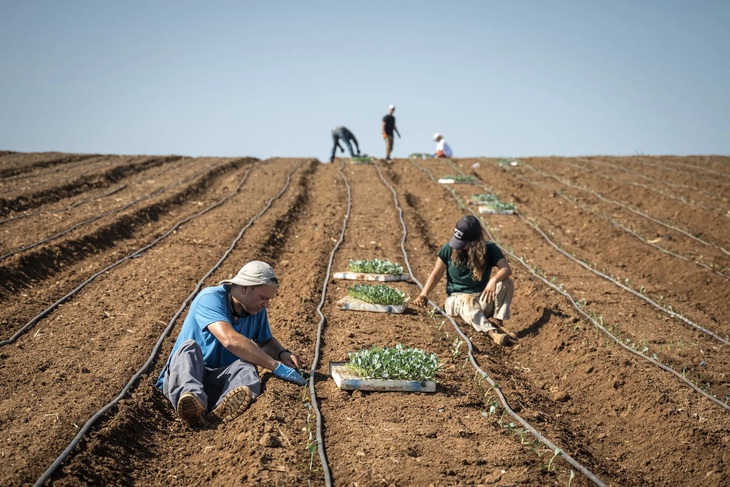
363,159
459,179
490,203
379,298
373,270
398,368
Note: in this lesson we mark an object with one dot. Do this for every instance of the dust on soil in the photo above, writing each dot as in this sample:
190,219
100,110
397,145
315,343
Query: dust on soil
101,254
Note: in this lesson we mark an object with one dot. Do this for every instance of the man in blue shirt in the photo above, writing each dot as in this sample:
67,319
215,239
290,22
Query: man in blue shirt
211,374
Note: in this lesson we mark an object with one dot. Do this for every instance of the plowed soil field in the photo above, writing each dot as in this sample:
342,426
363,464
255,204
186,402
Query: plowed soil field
619,375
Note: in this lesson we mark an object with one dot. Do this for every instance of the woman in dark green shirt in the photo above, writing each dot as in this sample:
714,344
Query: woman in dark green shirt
473,292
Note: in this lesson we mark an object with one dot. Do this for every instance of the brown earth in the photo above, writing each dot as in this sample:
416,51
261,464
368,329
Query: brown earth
100,254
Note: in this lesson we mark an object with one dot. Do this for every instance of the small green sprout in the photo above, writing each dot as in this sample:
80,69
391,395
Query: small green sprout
558,452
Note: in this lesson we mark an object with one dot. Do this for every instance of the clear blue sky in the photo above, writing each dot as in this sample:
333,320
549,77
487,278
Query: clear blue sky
271,78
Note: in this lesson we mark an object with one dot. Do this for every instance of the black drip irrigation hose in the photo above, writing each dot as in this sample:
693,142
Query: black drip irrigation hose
322,321
133,255
87,427
106,213
627,207
595,323
588,474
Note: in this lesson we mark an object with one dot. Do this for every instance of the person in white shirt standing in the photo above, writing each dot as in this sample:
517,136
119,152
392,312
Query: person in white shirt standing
442,147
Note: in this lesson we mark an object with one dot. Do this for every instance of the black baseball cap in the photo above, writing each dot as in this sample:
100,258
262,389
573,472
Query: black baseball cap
467,230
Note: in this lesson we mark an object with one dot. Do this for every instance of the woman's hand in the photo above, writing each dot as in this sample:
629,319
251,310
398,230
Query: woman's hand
490,291
421,300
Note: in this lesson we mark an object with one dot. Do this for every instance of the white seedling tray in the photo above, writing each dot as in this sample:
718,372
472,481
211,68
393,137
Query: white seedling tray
486,209
348,382
362,276
354,304
454,181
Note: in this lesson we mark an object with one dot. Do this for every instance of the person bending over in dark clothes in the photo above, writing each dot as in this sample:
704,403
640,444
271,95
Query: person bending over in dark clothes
342,134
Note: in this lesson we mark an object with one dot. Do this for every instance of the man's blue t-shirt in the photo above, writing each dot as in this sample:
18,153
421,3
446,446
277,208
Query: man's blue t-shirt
209,306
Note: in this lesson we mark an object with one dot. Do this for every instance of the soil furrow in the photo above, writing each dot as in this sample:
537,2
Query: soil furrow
690,194
657,206
49,215
21,235
15,164
78,186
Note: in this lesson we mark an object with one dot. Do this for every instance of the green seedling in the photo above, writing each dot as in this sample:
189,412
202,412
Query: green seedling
523,436
311,441
556,453
455,347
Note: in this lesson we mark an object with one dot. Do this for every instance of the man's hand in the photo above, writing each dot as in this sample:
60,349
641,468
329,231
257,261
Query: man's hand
289,374
421,300
289,359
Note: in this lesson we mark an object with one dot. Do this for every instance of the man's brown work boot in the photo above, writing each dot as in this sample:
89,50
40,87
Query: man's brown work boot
191,410
235,403
499,338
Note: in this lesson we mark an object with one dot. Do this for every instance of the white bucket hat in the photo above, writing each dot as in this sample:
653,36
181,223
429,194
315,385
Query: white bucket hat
255,273
436,136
